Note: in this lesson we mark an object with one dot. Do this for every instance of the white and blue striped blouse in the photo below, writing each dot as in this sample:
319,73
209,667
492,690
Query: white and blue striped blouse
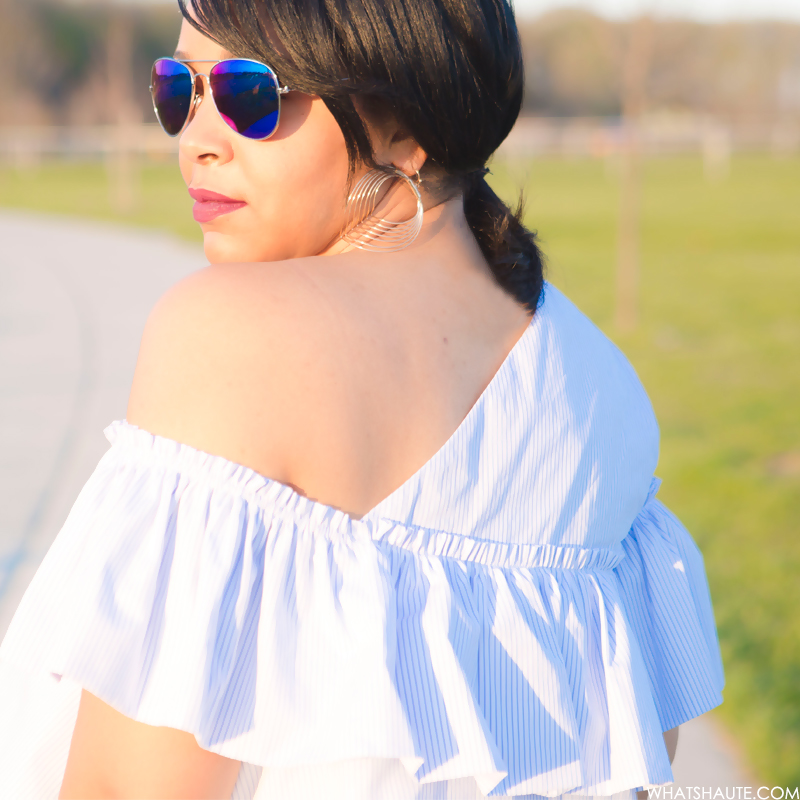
521,618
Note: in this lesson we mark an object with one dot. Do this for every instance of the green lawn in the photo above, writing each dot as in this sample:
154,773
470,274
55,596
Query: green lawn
718,349
161,200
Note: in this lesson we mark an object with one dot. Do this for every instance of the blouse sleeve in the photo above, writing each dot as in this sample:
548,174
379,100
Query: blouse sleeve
665,594
191,592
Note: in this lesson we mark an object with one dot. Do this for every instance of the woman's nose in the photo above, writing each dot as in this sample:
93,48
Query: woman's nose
206,139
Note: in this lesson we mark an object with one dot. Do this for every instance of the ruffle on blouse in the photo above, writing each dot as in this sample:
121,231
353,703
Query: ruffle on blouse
188,591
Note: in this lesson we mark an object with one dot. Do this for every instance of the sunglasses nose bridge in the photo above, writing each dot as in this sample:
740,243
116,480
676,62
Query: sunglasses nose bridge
199,89
198,92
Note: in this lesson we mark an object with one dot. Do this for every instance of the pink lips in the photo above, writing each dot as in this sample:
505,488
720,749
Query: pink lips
210,205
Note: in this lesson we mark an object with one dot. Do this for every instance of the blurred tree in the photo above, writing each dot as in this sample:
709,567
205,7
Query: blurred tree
70,39
573,62
7,61
62,71
574,59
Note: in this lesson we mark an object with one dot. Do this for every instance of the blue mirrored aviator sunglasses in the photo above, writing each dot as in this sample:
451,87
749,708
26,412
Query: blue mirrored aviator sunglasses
246,94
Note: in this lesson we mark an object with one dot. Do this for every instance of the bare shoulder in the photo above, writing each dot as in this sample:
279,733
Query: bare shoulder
222,359
218,370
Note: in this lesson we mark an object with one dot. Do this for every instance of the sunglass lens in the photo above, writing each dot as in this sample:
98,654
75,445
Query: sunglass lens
246,96
171,84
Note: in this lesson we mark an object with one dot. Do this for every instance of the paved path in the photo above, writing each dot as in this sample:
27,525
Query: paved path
74,297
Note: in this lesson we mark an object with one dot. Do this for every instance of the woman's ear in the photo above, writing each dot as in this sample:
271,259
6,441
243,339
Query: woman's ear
393,145
408,156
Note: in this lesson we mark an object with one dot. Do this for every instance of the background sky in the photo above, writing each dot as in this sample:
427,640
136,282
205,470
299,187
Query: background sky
707,10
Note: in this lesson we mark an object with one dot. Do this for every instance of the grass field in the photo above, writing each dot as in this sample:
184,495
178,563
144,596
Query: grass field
718,348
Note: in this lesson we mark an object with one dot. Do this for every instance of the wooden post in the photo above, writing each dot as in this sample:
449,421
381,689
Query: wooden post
119,64
634,77
8,86
716,150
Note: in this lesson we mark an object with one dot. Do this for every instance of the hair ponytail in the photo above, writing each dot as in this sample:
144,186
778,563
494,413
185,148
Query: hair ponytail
507,245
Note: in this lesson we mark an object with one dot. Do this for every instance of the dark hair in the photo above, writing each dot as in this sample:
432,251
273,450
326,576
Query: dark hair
449,71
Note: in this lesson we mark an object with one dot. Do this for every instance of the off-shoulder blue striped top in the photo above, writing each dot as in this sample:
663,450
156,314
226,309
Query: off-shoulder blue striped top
521,618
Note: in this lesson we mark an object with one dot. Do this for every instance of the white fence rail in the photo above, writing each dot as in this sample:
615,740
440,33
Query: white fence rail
531,136
657,135
32,143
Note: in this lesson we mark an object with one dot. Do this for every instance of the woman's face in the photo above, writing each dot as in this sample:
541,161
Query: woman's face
293,185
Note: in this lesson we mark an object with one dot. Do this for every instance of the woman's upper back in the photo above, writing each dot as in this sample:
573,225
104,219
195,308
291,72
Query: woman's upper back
399,387
338,375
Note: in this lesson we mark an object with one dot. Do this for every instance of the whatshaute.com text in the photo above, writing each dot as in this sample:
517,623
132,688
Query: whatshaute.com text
724,793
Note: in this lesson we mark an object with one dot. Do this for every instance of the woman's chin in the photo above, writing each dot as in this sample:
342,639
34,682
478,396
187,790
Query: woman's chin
225,248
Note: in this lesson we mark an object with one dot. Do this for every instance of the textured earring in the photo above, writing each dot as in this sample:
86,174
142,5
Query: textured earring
366,231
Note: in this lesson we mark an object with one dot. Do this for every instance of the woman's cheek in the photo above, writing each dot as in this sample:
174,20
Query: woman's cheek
300,207
295,185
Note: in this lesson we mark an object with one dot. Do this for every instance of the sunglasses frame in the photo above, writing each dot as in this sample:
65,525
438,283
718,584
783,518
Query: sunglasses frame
195,98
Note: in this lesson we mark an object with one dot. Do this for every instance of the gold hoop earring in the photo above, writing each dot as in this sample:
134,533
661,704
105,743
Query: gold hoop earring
366,231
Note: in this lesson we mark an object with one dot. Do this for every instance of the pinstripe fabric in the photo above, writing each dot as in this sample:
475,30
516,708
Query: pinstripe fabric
522,617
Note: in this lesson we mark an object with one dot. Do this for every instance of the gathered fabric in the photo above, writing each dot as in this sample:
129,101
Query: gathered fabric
521,618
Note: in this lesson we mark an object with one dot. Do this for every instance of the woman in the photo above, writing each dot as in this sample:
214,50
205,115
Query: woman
381,520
